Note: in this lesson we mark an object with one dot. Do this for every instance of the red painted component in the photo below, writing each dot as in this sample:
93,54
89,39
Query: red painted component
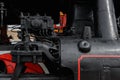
92,56
63,21
10,66
33,68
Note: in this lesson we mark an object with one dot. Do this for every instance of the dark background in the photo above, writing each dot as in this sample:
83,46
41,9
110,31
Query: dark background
49,7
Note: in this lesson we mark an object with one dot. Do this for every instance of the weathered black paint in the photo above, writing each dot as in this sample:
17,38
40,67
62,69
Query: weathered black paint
106,44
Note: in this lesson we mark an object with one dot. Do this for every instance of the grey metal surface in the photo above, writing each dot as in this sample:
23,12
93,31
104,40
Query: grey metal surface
70,52
106,19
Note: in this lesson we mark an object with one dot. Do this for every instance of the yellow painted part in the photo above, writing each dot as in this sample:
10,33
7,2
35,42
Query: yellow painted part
56,30
61,13
61,31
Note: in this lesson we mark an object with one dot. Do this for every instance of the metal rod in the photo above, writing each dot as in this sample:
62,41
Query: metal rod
2,9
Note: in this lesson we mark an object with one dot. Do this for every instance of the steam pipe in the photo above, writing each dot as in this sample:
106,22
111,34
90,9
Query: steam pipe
106,20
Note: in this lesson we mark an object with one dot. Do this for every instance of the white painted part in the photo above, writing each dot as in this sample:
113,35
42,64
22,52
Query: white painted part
4,52
44,68
10,27
57,24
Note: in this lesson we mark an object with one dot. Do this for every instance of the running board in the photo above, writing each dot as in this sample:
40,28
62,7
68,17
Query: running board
35,77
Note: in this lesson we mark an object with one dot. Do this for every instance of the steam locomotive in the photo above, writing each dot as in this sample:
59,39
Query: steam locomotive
84,46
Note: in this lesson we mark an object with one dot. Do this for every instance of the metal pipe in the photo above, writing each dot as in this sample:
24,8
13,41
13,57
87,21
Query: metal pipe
2,13
106,20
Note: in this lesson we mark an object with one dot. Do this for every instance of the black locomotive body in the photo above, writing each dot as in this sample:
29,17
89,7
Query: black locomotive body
88,48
